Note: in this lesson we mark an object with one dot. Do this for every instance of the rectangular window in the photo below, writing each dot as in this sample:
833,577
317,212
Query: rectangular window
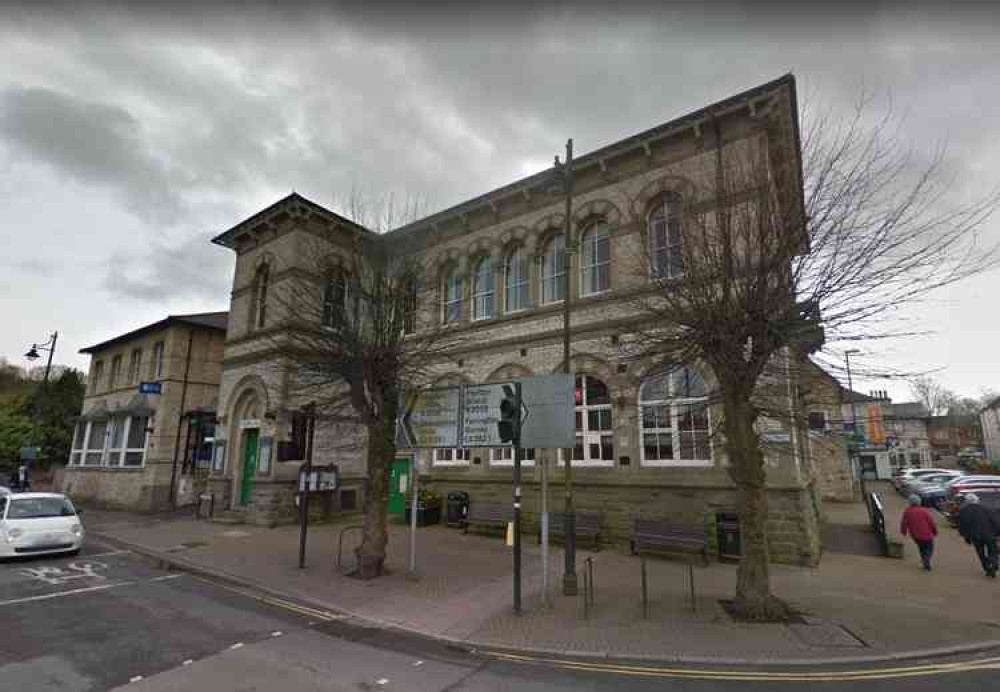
596,265
79,435
518,284
817,421
116,372
453,299
410,307
504,456
116,440
97,374
134,363
95,443
452,457
156,369
135,449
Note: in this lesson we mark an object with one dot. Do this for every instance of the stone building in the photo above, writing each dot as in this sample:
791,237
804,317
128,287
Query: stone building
822,398
129,444
989,419
496,265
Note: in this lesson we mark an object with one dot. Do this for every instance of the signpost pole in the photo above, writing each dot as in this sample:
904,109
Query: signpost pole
304,489
545,531
569,575
517,501
415,485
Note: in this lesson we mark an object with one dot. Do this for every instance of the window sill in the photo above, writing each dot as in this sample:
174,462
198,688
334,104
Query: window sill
693,463
450,463
106,468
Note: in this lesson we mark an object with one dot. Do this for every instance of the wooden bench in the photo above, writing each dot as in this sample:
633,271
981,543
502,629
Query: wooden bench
663,536
588,525
493,516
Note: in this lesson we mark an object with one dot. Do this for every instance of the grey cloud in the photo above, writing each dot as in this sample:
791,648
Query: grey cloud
91,142
190,269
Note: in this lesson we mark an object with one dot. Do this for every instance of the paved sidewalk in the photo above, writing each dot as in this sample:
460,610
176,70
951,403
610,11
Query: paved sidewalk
856,606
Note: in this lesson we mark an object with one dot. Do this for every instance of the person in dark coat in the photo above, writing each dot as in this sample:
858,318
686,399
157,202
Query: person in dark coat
979,528
918,523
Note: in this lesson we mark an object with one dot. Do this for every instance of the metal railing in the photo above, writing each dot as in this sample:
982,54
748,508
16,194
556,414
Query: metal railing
877,513
340,546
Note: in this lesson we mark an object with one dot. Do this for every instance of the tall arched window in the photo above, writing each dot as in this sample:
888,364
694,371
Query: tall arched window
674,419
595,265
663,225
335,290
554,270
516,281
453,289
595,437
258,310
482,290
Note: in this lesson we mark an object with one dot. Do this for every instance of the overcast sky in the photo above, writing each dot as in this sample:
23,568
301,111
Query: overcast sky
128,138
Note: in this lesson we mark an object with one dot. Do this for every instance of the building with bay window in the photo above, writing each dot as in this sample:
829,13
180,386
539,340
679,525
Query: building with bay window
148,418
496,267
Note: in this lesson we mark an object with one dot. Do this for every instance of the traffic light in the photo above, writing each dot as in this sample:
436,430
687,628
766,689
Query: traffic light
509,413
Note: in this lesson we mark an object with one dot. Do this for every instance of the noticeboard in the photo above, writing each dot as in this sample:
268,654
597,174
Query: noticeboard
319,478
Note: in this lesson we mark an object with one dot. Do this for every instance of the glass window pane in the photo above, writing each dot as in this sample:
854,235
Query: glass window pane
137,433
607,448
98,429
597,392
133,458
117,432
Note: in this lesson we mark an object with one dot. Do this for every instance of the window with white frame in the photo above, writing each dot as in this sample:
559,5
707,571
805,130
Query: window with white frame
595,265
504,456
116,440
451,456
453,289
554,270
135,441
595,437
134,363
482,289
79,435
116,372
156,367
664,226
517,281
96,438
675,419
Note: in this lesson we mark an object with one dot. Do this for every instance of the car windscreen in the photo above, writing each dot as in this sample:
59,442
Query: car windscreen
39,507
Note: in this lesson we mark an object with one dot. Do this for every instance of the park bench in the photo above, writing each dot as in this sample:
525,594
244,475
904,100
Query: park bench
651,536
492,516
588,525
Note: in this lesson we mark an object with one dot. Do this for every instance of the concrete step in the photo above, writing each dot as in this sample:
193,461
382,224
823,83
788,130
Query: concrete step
229,517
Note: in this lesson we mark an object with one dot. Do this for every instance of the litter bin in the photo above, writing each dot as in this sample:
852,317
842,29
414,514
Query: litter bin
727,526
458,508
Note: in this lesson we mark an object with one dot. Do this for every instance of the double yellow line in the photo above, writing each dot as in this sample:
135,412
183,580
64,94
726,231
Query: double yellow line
757,676
324,615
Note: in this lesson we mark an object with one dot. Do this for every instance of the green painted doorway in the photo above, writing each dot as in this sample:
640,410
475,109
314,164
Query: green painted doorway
249,465
399,486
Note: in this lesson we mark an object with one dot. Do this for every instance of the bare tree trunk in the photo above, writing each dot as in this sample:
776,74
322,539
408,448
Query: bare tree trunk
375,537
753,581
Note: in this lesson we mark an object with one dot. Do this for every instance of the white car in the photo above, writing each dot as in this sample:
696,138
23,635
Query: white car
38,524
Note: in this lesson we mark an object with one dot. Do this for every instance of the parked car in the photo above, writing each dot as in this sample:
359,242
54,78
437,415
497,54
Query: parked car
917,483
38,524
915,474
932,489
988,497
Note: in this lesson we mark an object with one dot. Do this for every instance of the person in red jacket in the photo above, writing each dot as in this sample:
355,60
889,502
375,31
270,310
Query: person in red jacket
919,523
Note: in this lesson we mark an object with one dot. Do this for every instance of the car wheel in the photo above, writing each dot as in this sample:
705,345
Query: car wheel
73,553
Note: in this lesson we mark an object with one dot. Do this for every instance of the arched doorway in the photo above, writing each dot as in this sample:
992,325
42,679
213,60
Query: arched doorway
247,419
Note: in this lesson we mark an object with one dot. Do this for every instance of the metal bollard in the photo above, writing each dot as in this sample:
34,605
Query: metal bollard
694,603
645,594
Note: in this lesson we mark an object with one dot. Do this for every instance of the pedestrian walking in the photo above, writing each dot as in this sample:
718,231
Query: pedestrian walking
979,528
919,524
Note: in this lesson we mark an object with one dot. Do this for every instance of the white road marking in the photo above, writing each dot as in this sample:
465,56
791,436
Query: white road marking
237,645
59,594
187,662
137,678
276,634
108,554
418,664
58,575
165,577
382,681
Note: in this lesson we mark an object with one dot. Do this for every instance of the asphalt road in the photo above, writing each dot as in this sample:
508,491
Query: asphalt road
108,619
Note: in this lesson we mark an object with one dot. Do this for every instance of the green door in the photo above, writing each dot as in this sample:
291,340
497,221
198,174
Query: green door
399,485
249,465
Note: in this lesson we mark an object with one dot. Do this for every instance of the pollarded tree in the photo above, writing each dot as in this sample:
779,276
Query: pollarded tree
357,338
792,244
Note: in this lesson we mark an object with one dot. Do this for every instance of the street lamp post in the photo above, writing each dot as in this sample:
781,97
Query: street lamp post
569,575
50,346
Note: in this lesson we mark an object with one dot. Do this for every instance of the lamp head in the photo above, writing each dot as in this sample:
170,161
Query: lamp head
33,353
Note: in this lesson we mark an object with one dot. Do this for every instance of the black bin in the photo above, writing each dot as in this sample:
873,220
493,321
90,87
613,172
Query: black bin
727,526
458,508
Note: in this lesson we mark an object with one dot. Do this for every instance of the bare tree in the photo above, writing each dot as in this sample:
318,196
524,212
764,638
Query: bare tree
779,255
934,396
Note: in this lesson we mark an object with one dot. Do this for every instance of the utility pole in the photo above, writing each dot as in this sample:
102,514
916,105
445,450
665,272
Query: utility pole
517,499
569,574
305,481
854,414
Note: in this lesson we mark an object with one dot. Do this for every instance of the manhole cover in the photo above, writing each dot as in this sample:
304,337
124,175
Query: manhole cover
826,635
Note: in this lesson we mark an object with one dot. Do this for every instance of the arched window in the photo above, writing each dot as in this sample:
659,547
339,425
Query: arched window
554,270
410,305
453,289
482,290
335,291
595,265
595,437
674,419
663,225
258,312
516,281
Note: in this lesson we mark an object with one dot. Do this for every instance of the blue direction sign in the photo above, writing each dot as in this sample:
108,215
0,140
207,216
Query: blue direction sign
150,387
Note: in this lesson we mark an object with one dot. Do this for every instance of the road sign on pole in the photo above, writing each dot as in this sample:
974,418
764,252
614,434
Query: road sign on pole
431,418
482,410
